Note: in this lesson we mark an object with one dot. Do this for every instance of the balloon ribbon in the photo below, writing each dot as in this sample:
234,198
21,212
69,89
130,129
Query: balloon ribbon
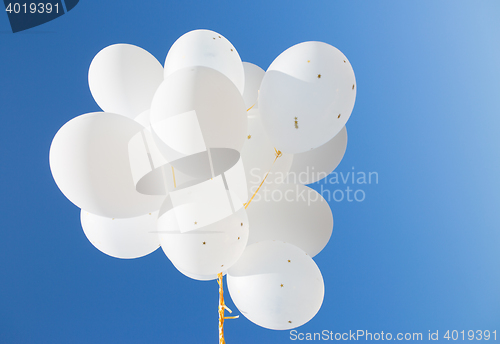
278,154
173,174
258,92
222,308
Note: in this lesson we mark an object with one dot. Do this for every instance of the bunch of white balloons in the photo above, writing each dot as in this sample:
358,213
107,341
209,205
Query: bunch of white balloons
178,152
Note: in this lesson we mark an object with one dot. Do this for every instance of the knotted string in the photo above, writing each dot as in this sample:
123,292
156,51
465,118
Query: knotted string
222,305
222,308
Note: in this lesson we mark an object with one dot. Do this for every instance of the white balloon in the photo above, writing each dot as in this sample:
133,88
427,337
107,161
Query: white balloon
211,248
199,121
253,78
258,157
206,48
122,238
90,163
293,213
202,204
276,285
316,164
198,277
154,176
307,96
143,119
151,173
123,79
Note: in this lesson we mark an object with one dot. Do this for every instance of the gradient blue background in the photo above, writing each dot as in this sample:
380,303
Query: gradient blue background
420,253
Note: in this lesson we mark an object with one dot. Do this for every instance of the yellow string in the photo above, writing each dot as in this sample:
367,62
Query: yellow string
250,108
173,173
222,308
278,154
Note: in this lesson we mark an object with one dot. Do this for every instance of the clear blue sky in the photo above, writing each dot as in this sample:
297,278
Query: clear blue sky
420,253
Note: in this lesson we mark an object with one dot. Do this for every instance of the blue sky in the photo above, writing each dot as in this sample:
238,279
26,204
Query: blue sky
420,253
